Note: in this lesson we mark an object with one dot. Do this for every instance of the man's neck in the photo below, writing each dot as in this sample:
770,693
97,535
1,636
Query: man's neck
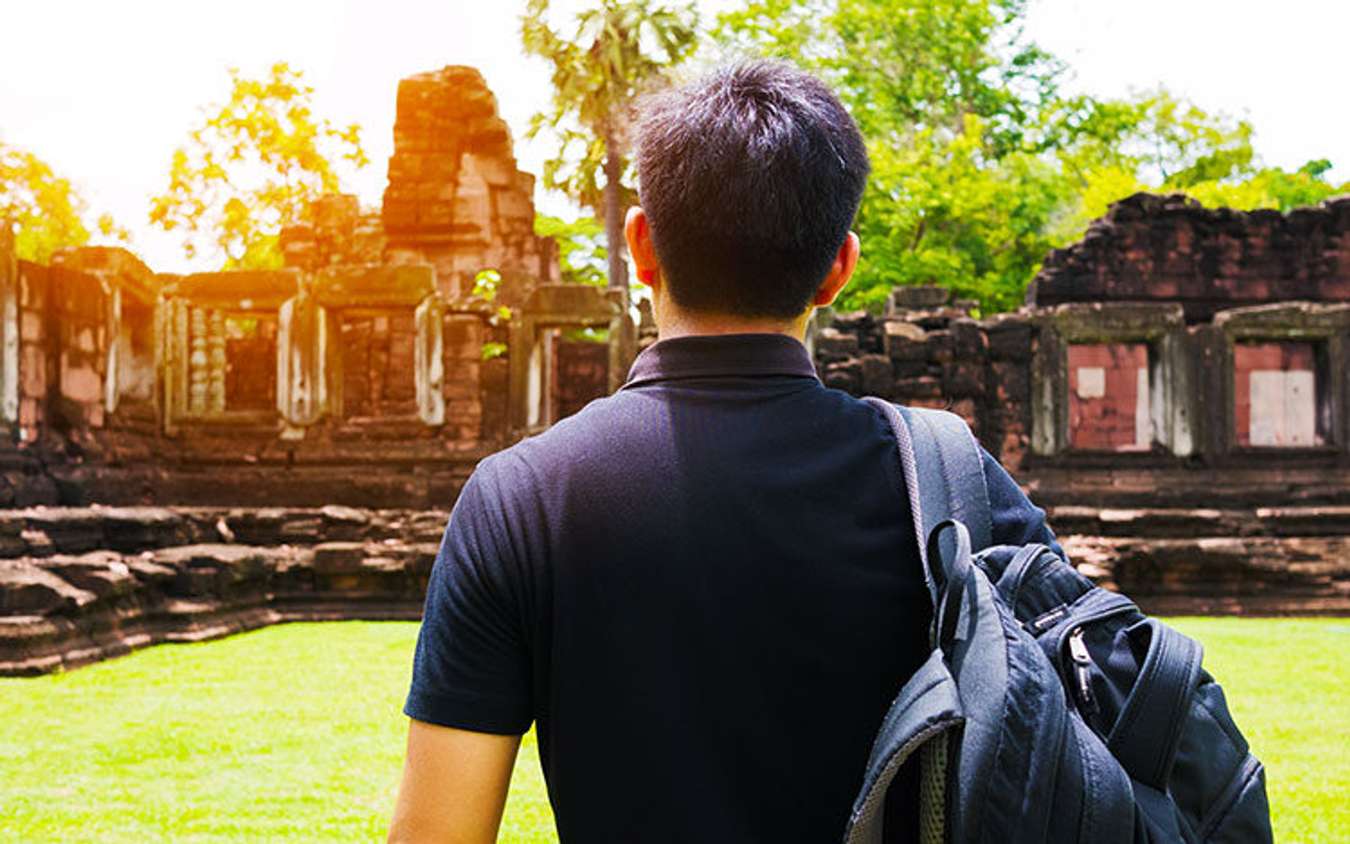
673,322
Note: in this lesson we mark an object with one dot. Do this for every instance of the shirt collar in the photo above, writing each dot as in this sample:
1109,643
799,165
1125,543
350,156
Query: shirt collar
721,355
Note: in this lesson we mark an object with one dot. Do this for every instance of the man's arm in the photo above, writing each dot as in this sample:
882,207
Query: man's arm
1016,521
454,786
470,697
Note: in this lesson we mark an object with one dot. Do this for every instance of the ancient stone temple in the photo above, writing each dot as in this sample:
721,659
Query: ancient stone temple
190,455
1174,392
187,456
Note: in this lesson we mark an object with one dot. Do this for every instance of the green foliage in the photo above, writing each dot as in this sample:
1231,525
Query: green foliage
950,97
251,167
581,247
46,209
486,285
618,50
980,164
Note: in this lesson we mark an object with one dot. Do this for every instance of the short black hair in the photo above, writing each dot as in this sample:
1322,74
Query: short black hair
750,177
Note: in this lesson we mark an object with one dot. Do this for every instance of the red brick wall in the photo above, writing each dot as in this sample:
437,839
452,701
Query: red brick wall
580,375
250,362
462,340
378,374
1103,413
1289,419
1169,248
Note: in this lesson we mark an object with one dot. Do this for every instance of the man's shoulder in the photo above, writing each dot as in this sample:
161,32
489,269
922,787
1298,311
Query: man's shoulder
587,438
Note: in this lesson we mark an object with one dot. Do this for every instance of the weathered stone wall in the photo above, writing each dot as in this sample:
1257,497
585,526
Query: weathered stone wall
456,198
34,341
1187,426
377,350
580,374
358,373
338,233
1170,249
928,352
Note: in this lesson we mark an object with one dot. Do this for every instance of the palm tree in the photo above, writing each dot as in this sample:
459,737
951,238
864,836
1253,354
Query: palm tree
618,50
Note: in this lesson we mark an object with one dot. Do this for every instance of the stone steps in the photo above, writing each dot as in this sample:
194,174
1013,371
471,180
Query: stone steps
1159,522
82,584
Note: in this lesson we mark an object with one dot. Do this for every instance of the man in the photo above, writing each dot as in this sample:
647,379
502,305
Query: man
703,590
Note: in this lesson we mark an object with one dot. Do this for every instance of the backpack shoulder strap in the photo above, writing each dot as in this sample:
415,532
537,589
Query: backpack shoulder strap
944,466
944,473
949,440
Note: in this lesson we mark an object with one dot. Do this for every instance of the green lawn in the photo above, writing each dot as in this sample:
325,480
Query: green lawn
294,734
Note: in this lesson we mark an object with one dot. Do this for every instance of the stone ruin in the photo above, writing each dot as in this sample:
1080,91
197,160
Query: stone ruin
194,455
357,386
1174,392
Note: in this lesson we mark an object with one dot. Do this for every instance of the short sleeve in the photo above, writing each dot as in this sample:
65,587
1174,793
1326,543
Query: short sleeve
471,668
1016,521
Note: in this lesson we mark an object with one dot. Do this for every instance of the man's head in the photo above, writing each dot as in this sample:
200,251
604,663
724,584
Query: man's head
749,181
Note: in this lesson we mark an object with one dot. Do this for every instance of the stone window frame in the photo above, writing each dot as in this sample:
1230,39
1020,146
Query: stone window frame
1173,401
1327,328
364,289
560,306
264,293
122,289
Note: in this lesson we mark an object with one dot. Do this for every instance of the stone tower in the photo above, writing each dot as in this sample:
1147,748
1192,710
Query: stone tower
456,198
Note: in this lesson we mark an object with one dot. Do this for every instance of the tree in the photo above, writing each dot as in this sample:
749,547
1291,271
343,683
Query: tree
618,49
950,96
48,211
980,164
253,166
581,249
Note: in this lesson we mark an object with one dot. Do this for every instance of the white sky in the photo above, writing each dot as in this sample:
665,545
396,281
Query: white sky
104,91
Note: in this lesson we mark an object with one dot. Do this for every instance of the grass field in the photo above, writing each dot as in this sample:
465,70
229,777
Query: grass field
294,734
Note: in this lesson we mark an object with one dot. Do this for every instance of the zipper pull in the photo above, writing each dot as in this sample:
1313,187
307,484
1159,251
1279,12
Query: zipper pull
1082,670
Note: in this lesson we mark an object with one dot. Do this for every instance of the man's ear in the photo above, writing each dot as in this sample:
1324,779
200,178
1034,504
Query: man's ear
840,272
638,232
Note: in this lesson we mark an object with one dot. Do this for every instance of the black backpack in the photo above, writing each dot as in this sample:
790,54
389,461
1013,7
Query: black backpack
1050,710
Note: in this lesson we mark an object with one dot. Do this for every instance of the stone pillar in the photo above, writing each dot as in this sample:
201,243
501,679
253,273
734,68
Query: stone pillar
302,351
112,363
216,354
9,328
198,359
429,363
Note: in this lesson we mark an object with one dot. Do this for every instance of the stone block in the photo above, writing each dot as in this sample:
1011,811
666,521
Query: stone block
27,589
102,573
339,557
969,339
1011,381
31,329
877,378
513,205
920,297
924,387
1009,340
940,346
846,376
963,379
834,345
33,372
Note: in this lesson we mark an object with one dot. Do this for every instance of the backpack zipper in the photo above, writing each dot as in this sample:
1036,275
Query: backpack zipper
1082,670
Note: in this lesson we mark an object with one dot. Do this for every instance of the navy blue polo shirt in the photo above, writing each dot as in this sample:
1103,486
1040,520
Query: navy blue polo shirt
704,590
